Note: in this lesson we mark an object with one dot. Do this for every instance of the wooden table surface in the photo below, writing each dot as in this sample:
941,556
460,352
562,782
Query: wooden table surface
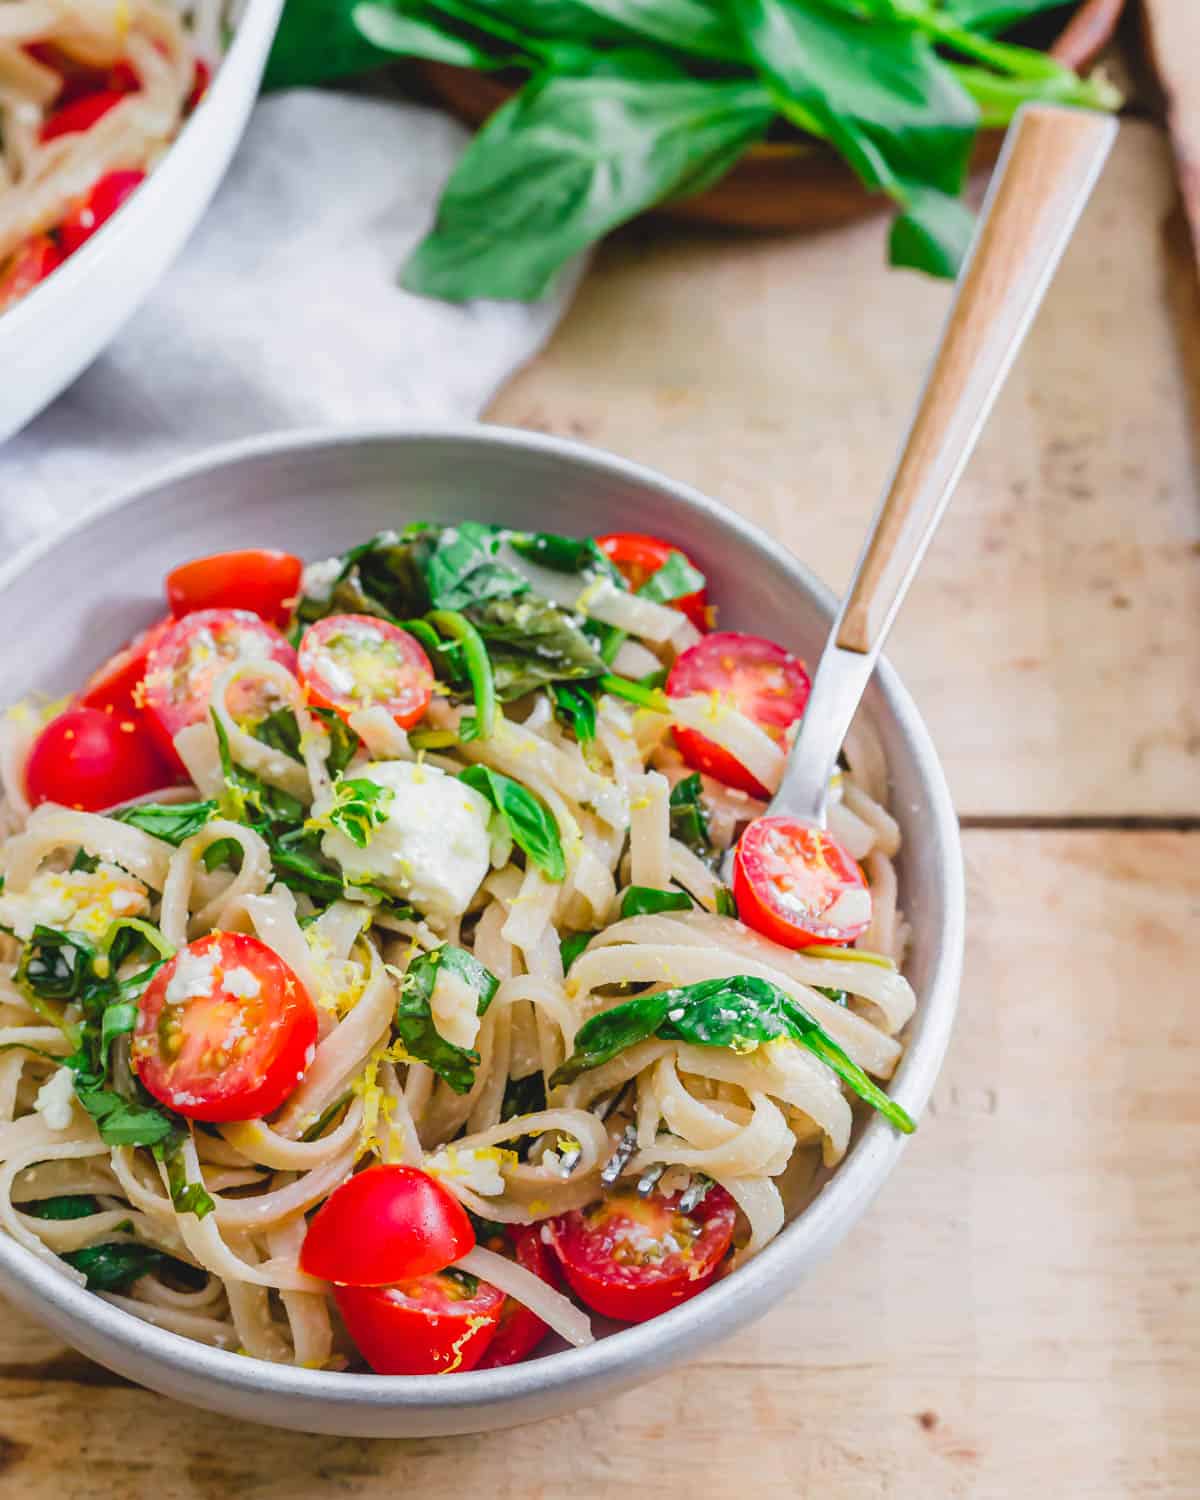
1019,1314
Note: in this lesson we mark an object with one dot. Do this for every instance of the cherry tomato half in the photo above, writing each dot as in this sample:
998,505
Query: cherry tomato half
639,557
348,662
795,884
201,78
767,683
260,580
96,207
86,758
632,1258
30,263
390,1223
113,688
225,1030
186,660
433,1325
520,1331
81,114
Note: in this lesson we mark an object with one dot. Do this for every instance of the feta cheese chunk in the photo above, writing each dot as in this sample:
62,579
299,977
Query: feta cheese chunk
74,901
477,1168
433,847
55,1098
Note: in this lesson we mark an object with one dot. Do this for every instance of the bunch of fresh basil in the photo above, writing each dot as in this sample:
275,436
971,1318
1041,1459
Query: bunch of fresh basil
627,103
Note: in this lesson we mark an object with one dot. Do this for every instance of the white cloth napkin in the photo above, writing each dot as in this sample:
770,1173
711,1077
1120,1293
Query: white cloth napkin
284,310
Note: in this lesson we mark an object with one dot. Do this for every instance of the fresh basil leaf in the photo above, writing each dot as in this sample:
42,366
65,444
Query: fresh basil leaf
523,1096
317,41
117,1020
674,580
567,160
575,708
384,576
645,900
689,818
83,864
566,554
726,905
56,965
528,819
358,808
839,997
391,29
120,1121
281,730
572,946
738,1013
115,1267
414,1024
222,852
343,742
247,794
66,1206
170,821
187,1197
932,234
990,16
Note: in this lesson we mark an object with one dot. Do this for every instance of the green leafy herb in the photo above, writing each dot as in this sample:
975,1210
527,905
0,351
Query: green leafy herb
523,1096
83,864
222,852
115,1267
170,821
187,1197
575,708
726,905
645,900
67,1206
531,643
674,580
414,1023
358,808
689,819
464,568
528,820
566,554
247,795
572,946
569,159
738,1013
634,692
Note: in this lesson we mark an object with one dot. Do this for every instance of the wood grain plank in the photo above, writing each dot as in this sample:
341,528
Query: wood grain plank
1051,640
1018,1315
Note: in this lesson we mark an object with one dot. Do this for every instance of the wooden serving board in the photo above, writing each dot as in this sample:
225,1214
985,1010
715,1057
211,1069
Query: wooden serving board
1019,1313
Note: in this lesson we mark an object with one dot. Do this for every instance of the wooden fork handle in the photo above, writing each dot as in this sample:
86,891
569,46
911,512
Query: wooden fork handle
1050,163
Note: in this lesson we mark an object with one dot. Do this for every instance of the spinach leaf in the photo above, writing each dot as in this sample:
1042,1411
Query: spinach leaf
528,819
83,863
120,1120
566,554
575,708
414,1024
572,946
738,1013
689,819
281,730
645,900
187,1197
114,1267
567,160
299,864
726,905
56,965
523,1096
532,642
222,852
170,821
247,794
67,1206
674,580
464,568
877,90
358,808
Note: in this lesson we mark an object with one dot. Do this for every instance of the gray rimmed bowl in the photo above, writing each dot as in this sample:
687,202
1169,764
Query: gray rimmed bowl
70,601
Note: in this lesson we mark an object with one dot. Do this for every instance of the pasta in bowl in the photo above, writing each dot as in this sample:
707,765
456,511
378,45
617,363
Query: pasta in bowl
378,1003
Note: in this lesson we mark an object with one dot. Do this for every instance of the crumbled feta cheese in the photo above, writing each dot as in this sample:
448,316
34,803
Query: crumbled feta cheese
475,1167
319,578
432,848
194,976
75,900
55,1098
241,983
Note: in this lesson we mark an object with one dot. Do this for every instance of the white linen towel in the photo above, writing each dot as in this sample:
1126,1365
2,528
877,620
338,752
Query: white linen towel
284,310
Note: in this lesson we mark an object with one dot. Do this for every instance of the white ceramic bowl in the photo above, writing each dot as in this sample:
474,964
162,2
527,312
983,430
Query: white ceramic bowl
70,601
55,332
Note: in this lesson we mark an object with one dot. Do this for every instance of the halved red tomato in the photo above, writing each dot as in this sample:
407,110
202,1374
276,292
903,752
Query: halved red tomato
96,207
348,662
26,266
185,661
520,1331
81,114
632,1258
86,758
434,1325
639,557
259,579
794,883
225,1030
765,682
113,688
201,78
390,1223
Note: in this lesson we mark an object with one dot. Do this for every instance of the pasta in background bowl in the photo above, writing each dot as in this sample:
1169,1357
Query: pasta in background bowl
84,235
315,496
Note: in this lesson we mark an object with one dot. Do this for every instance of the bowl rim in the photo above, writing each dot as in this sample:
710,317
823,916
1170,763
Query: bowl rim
730,1303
